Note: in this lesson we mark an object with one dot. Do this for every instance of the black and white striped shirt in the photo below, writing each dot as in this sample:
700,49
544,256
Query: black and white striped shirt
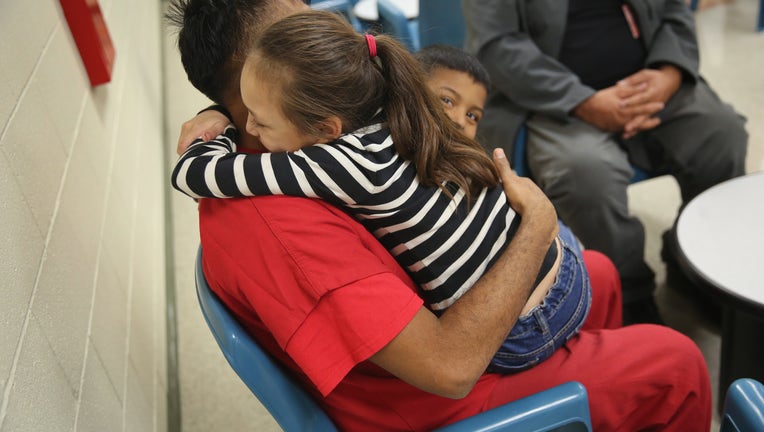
444,244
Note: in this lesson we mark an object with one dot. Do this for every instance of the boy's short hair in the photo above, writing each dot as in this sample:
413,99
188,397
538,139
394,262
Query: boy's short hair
448,57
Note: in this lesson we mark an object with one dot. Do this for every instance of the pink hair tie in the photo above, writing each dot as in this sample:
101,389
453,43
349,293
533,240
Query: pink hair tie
372,43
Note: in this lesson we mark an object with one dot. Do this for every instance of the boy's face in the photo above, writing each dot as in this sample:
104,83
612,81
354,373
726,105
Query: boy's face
462,96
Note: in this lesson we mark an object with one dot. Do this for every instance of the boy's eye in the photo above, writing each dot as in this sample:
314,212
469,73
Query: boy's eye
473,116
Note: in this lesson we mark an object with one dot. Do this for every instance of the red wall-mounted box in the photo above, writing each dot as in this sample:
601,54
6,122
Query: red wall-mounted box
92,38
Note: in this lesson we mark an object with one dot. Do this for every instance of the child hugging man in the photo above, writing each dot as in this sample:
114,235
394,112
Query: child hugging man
355,124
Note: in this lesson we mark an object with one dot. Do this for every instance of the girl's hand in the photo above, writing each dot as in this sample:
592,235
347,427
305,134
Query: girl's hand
206,125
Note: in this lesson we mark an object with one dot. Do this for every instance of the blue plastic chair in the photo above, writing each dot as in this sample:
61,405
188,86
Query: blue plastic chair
441,22
394,22
345,7
744,407
562,408
518,158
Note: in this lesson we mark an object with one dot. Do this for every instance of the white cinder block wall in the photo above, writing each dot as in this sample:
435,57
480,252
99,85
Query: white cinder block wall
82,225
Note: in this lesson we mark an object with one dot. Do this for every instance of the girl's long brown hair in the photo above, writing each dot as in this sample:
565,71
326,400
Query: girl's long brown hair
323,69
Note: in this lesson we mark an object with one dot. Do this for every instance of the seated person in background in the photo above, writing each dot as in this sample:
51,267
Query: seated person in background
300,275
601,84
428,194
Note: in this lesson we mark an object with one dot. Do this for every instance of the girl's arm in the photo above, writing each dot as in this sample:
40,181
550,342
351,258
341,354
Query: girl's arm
213,169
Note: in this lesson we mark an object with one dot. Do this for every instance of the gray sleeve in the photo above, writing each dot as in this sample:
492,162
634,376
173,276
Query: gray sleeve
499,35
674,41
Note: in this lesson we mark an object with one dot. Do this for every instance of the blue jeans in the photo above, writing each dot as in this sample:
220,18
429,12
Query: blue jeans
549,325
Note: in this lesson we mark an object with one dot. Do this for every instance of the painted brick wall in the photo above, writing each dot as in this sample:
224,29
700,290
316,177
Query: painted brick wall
82,225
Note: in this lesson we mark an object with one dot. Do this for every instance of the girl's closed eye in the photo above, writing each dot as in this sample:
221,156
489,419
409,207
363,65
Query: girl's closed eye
254,123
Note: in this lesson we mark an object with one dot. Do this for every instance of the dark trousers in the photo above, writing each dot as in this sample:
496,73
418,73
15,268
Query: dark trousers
585,172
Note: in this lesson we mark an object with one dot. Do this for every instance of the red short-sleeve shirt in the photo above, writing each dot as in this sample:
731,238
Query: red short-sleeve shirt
322,295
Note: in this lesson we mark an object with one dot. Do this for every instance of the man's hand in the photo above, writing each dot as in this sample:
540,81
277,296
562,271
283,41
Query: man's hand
447,354
206,125
607,110
658,86
524,196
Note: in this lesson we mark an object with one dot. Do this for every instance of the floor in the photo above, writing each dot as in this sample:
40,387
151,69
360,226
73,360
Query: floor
213,398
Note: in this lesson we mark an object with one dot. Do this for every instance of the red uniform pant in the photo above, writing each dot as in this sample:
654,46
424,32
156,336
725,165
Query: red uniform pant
641,377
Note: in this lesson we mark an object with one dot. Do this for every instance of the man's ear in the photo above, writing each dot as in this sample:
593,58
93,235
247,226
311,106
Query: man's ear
330,128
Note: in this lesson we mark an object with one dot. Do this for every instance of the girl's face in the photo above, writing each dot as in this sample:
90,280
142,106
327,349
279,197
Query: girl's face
265,119
462,97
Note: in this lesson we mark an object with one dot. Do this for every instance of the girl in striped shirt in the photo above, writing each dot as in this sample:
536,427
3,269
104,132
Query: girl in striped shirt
348,118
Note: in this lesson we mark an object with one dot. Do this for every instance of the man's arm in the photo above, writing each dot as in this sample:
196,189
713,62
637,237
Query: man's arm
499,37
674,42
333,297
446,355
672,58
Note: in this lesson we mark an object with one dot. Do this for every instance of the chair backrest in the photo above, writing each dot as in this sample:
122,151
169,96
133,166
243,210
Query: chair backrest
441,22
344,7
518,158
291,406
743,407
564,408
394,22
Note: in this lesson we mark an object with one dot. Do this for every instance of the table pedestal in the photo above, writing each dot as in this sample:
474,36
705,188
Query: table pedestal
720,236
742,348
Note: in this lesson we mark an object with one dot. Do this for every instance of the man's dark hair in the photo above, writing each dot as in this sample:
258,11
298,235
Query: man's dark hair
213,39
448,57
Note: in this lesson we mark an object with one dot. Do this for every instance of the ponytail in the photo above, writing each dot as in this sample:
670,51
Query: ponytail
421,129
324,69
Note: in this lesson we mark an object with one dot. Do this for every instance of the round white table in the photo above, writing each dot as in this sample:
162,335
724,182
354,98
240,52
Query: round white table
721,247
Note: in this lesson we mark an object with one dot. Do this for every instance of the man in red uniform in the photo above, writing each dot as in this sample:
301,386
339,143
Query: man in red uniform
325,298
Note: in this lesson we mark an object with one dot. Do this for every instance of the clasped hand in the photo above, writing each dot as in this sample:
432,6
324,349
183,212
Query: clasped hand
631,105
